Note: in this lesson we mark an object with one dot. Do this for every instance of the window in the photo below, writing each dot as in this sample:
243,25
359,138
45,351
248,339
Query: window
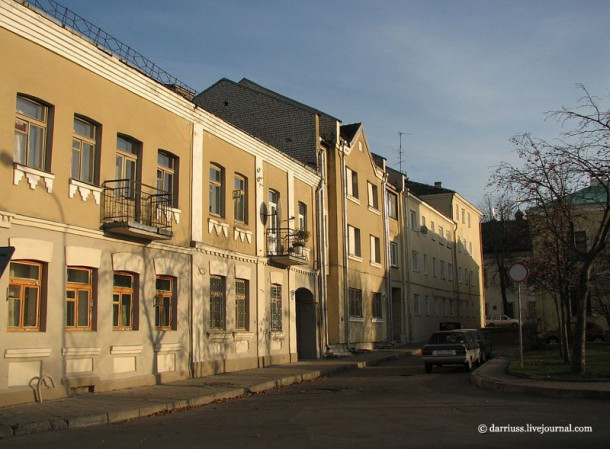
30,145
377,306
217,303
443,271
425,264
352,183
167,176
84,149
165,303
432,231
428,306
463,216
216,198
439,306
355,303
415,260
373,195
394,254
124,301
240,199
469,220
450,271
460,275
416,305
448,237
79,298
393,205
441,233
126,162
453,307
354,242
470,248
457,212
375,249
25,296
242,305
302,216
276,307
434,266
414,220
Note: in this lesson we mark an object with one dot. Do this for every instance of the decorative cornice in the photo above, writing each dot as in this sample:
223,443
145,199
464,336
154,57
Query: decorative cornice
242,234
33,176
32,353
84,190
218,227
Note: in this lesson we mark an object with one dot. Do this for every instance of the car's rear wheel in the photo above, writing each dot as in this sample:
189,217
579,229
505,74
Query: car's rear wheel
552,341
428,367
514,325
597,339
491,325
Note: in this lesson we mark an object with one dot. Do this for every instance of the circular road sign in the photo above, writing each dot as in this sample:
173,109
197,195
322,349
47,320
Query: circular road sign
518,272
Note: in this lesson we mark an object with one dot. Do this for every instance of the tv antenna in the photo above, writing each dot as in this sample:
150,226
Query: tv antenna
400,152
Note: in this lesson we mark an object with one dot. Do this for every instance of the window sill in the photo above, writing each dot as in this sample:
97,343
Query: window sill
84,190
355,258
374,210
33,176
353,199
277,334
219,335
377,320
355,319
375,264
215,226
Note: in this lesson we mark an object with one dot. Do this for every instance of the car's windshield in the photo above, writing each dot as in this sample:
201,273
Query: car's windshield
446,338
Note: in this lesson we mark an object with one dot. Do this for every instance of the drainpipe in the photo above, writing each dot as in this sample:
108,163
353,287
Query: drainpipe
388,257
345,247
322,252
405,257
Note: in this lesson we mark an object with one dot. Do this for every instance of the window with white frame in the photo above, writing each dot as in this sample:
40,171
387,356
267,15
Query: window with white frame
373,195
216,193
240,198
84,150
441,235
413,215
392,205
354,241
443,270
394,254
352,182
167,175
302,216
434,266
425,263
415,260
432,231
31,134
375,249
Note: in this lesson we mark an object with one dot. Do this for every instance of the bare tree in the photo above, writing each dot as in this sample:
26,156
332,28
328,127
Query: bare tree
566,184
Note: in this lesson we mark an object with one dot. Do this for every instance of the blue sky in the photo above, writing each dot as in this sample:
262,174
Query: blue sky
461,77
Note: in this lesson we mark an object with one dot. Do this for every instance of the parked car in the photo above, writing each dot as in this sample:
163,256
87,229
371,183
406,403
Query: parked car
500,320
485,345
593,332
454,347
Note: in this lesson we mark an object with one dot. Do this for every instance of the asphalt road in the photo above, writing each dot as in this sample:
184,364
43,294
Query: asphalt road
395,405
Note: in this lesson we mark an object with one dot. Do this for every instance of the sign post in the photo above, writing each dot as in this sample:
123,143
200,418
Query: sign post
518,273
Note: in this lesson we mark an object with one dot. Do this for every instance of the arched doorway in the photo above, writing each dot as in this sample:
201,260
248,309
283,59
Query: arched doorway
307,324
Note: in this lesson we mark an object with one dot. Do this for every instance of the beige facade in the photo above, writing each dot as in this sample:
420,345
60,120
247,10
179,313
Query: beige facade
135,262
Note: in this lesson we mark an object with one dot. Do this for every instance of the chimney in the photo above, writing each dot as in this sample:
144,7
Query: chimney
438,184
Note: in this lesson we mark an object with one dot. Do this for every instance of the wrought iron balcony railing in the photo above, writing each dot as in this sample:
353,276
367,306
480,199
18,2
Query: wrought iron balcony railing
285,247
134,209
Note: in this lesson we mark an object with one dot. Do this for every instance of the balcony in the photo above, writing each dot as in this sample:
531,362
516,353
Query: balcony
136,210
285,247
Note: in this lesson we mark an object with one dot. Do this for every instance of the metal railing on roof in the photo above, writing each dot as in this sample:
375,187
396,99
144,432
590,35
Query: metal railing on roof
100,38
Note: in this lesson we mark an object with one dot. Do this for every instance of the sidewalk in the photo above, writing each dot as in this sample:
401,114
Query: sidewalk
101,408
493,376
108,407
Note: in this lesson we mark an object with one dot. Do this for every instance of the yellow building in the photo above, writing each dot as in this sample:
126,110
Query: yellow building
146,247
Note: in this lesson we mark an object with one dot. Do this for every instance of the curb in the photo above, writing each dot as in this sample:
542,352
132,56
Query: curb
162,407
528,386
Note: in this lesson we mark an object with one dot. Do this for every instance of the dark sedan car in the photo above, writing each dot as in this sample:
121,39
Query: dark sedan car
455,347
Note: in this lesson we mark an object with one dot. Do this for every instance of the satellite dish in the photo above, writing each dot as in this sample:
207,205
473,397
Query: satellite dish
423,230
263,213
